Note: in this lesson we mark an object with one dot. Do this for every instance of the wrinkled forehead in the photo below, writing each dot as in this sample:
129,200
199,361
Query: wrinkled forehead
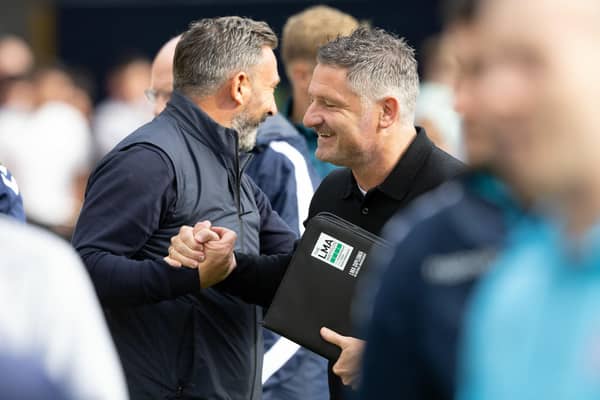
538,23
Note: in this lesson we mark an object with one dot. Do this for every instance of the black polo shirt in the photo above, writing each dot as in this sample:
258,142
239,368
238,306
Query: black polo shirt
422,167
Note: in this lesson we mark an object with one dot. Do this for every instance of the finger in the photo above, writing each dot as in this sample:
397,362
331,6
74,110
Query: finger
184,260
185,238
180,249
332,337
171,262
202,225
225,234
205,235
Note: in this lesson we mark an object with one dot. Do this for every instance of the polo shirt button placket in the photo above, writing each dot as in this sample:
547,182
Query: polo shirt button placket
365,211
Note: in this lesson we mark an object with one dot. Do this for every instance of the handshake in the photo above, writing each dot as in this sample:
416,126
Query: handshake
205,247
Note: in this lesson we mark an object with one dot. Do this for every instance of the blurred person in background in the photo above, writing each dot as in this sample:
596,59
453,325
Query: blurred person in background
364,89
533,328
16,90
161,76
302,35
282,169
125,109
11,202
178,337
51,322
435,104
16,64
51,154
444,244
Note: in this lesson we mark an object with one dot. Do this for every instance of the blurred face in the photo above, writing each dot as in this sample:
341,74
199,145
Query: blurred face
263,81
161,82
477,136
540,90
347,128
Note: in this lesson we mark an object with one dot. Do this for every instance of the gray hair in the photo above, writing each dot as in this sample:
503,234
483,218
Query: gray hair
213,49
379,64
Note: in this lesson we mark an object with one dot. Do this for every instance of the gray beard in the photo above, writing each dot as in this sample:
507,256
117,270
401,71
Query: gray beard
247,132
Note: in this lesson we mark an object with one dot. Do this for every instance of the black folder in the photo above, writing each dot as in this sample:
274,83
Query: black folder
319,284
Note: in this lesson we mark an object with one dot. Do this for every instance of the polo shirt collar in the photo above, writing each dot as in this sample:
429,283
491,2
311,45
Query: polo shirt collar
400,180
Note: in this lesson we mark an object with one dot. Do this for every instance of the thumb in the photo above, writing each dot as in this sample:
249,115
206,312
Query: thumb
224,233
332,336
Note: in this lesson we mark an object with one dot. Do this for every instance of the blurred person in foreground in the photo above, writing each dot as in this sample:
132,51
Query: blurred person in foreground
533,328
177,336
282,170
51,322
364,89
302,35
125,109
444,244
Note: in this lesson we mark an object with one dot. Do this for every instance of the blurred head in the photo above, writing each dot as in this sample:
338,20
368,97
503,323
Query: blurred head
161,78
16,57
129,78
53,84
303,34
204,67
363,93
463,31
541,59
16,65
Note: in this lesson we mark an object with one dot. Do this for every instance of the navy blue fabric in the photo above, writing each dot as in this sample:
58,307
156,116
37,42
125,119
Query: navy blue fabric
11,202
445,242
304,376
173,338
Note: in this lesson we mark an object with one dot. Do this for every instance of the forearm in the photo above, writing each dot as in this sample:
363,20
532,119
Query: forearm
256,278
120,281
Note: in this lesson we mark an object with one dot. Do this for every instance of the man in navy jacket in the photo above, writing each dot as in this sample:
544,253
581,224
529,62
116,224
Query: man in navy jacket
175,337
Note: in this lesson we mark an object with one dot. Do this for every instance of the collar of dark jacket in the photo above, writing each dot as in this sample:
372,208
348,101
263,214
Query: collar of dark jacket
198,124
400,181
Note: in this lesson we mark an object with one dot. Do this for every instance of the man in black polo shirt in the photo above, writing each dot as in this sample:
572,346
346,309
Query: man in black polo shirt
363,92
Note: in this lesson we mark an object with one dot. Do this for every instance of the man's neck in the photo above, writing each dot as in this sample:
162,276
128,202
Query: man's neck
375,170
215,108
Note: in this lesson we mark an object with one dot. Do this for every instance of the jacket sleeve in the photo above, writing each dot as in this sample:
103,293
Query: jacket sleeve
127,196
256,278
274,174
276,237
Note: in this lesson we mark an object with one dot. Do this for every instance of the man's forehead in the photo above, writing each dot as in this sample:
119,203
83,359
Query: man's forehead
329,81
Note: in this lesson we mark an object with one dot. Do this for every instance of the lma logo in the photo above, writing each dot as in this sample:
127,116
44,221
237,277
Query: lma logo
332,251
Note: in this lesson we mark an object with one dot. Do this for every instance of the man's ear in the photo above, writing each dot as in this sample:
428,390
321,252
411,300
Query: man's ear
389,111
240,88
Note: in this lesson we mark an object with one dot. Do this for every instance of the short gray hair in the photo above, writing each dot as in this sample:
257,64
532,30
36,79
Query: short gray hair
213,49
379,64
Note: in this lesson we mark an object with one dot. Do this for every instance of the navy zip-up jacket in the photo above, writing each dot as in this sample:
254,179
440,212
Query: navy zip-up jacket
174,339
444,243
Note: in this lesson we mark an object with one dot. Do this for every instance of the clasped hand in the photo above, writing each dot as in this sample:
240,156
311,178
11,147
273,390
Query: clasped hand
205,247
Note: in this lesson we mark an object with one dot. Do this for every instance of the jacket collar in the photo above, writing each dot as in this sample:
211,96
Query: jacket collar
400,180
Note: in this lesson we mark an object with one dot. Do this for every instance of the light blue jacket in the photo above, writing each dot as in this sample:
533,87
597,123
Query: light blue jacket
534,326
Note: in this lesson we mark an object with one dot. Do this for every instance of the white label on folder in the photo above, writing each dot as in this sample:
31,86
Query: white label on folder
332,251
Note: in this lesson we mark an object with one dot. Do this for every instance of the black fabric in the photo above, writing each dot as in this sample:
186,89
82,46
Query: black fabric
173,338
327,263
422,167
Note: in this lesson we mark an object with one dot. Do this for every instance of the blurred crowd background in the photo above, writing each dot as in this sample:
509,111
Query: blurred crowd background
73,75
